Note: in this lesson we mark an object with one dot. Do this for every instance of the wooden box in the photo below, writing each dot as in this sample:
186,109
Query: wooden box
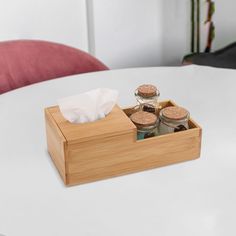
109,147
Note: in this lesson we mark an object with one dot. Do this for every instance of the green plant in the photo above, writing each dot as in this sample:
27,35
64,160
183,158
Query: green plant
211,29
192,26
196,26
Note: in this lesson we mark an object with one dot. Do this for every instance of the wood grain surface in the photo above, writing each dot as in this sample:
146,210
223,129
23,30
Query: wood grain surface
107,148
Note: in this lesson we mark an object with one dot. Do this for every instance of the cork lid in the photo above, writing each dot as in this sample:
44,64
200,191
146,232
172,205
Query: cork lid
147,90
143,118
175,113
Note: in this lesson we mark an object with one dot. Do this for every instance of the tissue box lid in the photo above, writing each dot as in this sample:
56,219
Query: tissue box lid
115,123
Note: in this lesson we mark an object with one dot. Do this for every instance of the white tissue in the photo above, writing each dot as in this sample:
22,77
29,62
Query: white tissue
88,107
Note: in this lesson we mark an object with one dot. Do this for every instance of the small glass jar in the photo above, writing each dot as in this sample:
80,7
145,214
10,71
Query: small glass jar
147,96
173,119
146,124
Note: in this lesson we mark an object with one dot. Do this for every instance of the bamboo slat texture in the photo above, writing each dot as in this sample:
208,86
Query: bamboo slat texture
107,148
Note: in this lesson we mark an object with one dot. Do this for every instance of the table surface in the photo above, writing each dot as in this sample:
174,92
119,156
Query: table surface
191,198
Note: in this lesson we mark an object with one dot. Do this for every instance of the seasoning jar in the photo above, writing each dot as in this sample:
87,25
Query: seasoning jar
147,96
146,124
173,119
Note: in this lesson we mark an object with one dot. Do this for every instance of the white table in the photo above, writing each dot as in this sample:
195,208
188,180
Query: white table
188,199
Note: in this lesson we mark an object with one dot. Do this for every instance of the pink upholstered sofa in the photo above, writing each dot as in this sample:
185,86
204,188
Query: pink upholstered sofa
24,62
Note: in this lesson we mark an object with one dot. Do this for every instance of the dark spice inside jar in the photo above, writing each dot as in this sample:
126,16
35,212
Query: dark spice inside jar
149,108
149,135
180,128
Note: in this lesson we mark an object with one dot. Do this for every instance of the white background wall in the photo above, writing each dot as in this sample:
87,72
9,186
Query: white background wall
128,32
55,20
176,31
122,33
225,21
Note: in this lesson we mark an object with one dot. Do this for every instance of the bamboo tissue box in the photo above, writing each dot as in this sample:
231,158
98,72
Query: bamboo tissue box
109,147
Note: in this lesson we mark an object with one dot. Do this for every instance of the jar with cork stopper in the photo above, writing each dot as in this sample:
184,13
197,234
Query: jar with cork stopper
146,124
173,119
147,96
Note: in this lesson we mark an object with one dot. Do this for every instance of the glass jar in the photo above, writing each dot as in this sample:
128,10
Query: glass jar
147,96
173,119
146,124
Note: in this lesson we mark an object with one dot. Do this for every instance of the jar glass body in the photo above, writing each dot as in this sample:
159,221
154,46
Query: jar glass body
149,104
146,132
167,126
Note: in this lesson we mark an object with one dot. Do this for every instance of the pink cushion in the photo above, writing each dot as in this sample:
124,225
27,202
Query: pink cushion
24,62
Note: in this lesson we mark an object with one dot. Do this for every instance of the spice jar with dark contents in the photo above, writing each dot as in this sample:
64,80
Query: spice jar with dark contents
173,119
146,124
147,96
